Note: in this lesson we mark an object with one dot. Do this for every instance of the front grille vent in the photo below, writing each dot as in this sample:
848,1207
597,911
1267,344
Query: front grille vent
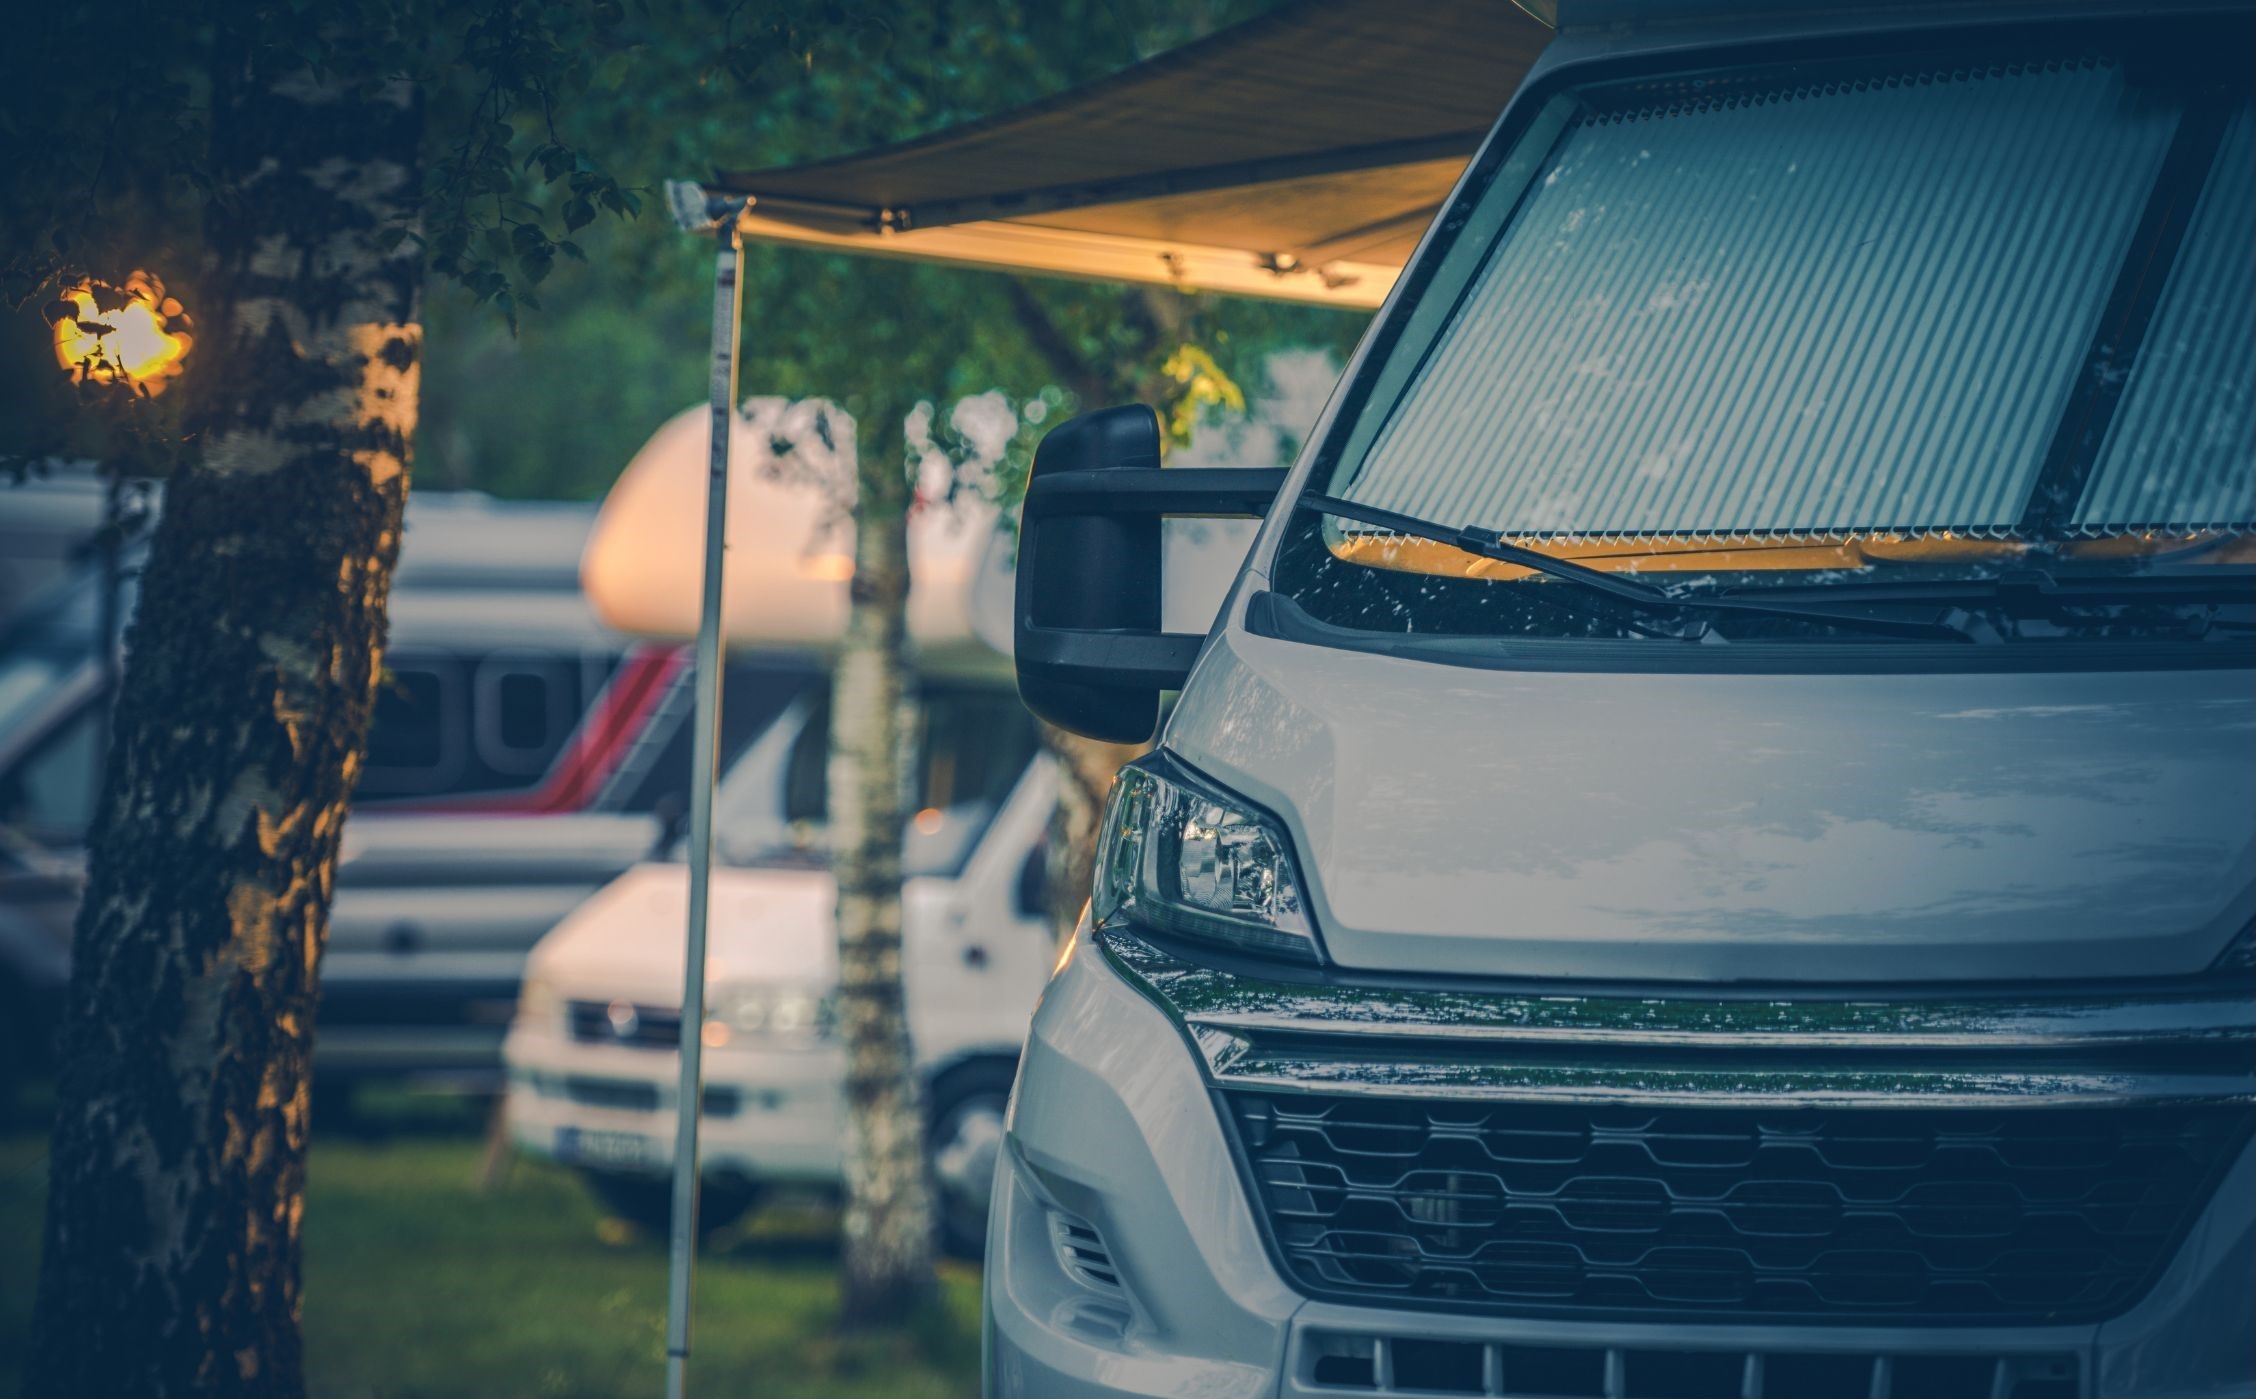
634,1095
1339,1363
1082,1253
1942,1216
624,1022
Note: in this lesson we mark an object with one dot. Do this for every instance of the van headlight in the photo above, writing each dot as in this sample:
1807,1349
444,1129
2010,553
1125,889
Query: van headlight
1179,855
770,1013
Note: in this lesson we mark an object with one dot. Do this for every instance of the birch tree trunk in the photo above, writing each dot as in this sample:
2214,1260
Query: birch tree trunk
886,1264
171,1260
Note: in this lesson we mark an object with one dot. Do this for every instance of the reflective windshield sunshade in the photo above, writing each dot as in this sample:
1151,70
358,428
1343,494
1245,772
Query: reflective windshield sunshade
1180,856
2182,451
1834,306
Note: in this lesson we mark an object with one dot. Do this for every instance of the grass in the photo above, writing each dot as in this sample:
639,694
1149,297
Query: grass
420,1284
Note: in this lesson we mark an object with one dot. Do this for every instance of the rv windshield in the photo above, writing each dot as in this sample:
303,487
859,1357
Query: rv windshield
1902,349
972,745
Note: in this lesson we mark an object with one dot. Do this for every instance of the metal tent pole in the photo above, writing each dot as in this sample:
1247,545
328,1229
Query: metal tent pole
689,1095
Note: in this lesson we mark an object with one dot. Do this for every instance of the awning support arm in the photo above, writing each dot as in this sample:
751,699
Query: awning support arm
717,218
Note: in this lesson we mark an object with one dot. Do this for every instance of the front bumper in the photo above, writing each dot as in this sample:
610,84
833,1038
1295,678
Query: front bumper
770,1114
1125,1256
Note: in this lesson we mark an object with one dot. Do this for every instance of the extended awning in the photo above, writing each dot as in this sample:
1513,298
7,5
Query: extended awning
1297,156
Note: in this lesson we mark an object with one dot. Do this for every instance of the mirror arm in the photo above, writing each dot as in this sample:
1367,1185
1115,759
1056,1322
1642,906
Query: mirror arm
1160,661
1091,656
1230,491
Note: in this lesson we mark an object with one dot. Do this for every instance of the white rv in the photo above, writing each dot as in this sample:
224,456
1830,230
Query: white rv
592,1054
1708,852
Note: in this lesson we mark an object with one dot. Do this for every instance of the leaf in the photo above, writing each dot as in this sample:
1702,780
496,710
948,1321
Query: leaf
578,214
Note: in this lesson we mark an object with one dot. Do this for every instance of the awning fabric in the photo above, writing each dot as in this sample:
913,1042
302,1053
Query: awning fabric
1298,156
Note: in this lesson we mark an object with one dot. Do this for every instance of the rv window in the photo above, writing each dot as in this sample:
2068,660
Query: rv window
525,710
656,770
1811,325
972,747
417,741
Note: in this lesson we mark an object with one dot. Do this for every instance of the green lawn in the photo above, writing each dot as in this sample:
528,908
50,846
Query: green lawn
420,1284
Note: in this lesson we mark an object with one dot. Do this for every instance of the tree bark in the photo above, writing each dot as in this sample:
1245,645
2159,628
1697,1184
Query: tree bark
886,1265
171,1261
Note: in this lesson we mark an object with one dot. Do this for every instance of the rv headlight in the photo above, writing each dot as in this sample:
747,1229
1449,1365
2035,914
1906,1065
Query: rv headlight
766,1011
1179,855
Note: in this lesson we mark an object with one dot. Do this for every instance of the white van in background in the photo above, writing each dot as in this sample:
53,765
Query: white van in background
592,1054
592,1066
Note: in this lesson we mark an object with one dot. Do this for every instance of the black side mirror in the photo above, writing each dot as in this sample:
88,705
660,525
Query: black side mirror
1032,896
1086,639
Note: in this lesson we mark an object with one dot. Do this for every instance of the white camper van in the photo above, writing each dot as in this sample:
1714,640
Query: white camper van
1708,852
592,1054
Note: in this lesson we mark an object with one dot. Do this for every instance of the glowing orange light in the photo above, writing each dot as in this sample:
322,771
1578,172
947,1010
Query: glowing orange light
830,568
715,1034
141,340
929,821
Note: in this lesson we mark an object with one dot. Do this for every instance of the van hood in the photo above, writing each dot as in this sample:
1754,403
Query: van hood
1743,827
764,925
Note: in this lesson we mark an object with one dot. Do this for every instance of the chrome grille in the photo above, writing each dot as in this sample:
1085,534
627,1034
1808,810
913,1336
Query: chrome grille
1333,1362
622,1022
1935,1216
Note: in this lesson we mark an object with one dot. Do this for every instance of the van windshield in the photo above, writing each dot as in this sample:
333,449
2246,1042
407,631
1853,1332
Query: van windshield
1893,332
972,745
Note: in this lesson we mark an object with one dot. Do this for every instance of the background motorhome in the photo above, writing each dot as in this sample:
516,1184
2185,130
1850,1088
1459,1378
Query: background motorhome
49,520
592,1055
522,754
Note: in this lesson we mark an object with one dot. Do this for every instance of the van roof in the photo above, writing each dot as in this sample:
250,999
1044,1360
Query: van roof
789,554
469,540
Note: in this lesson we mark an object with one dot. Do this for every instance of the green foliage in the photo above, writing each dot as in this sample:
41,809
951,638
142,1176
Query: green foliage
1205,386
421,1285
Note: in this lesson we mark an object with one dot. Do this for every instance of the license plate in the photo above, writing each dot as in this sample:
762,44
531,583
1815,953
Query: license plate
595,1147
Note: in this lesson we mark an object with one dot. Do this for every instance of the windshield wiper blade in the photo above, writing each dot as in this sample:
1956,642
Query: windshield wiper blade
1636,592
2040,586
